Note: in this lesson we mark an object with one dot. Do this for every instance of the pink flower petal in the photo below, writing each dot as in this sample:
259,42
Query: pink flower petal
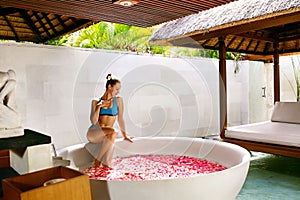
153,167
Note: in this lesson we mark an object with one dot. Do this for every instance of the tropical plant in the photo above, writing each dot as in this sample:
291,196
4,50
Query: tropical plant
105,35
236,57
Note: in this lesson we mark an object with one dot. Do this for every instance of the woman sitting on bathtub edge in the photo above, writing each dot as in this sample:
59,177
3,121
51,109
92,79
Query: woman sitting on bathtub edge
104,113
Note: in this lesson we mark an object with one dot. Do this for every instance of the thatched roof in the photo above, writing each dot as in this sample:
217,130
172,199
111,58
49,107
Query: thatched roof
27,25
249,26
26,19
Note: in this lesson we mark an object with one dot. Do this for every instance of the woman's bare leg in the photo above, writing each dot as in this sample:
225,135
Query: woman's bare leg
106,136
96,134
107,156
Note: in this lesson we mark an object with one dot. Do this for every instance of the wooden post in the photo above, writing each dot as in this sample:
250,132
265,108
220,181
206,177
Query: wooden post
276,70
222,86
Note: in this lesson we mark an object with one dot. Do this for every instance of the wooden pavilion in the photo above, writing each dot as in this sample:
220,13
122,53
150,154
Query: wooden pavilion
260,27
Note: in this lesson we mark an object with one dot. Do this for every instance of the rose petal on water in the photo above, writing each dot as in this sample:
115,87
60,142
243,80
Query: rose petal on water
153,167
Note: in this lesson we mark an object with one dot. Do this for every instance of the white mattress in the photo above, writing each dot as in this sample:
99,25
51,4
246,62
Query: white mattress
267,132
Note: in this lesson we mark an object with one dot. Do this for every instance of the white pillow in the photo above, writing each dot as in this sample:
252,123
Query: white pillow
288,112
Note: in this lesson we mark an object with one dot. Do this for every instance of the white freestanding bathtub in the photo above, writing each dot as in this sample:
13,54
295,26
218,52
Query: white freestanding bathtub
222,185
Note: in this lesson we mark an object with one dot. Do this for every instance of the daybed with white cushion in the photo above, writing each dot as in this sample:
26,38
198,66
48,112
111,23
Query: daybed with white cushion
280,135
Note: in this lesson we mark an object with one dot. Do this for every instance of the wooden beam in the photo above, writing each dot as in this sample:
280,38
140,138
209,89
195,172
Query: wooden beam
276,70
256,46
246,52
264,52
216,46
31,25
188,42
61,21
255,37
107,11
50,23
73,20
286,39
239,51
231,41
12,29
281,51
8,11
205,42
267,46
284,30
79,24
240,44
249,44
7,38
222,86
41,23
244,27
278,149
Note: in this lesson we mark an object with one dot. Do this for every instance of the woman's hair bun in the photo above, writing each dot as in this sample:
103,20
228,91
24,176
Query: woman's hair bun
109,77
111,81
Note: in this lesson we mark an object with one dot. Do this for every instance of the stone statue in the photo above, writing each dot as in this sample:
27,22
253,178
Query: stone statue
10,123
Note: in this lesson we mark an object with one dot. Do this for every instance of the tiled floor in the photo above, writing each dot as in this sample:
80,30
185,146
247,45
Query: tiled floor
272,177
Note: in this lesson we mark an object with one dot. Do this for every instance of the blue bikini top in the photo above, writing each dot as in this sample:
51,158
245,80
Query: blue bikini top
113,111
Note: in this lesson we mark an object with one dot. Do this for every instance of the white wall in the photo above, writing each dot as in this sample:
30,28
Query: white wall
246,103
257,77
238,93
287,80
45,78
162,96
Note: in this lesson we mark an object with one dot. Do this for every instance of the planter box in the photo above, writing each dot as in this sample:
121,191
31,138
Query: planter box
30,186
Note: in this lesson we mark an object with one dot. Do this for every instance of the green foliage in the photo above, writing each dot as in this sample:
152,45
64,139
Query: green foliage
111,36
59,42
105,35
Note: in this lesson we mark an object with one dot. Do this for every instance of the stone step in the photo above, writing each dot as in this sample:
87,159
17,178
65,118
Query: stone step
59,161
57,158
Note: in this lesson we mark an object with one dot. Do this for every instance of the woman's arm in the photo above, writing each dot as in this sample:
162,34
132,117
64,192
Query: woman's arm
121,119
95,109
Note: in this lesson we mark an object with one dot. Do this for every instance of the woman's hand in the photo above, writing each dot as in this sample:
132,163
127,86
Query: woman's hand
105,103
129,139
